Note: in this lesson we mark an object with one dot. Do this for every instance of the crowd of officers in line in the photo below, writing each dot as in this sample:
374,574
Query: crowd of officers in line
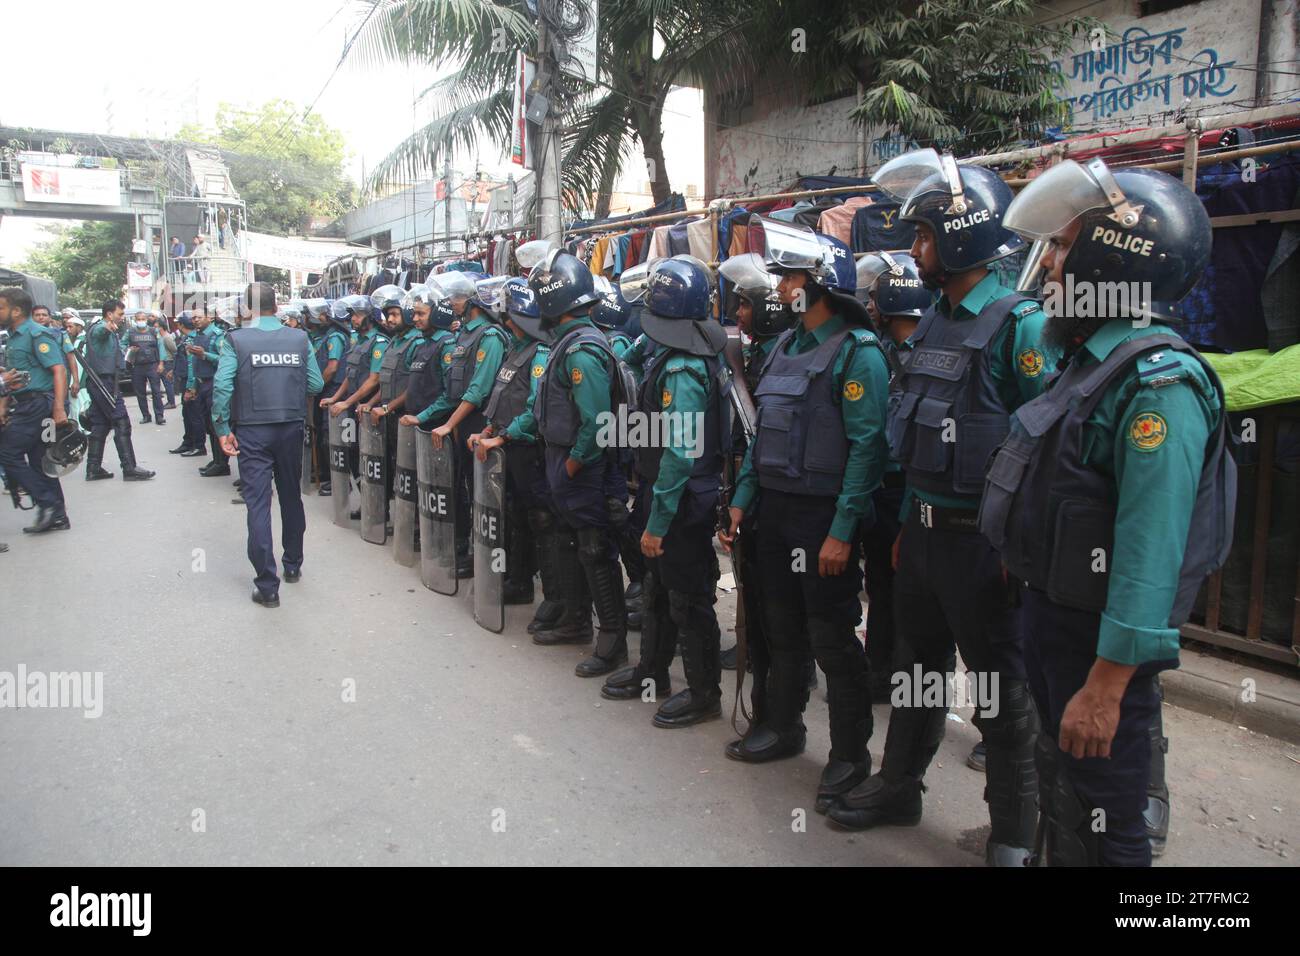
1042,493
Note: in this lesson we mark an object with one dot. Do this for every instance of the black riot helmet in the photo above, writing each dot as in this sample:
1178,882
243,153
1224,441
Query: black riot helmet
65,454
751,281
676,307
562,285
1138,227
611,311
963,205
391,297
899,290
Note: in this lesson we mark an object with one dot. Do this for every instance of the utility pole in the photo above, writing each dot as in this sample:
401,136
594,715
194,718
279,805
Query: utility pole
548,156
446,193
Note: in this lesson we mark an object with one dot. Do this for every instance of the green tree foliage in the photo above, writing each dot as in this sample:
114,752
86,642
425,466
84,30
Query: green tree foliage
87,262
286,169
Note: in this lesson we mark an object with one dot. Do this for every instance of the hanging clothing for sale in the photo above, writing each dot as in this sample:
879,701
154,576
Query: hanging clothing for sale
699,239
877,228
837,221
678,242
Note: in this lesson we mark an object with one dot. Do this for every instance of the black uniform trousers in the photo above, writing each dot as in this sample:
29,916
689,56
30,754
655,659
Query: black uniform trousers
268,452
883,649
22,447
804,611
204,392
142,375
1060,648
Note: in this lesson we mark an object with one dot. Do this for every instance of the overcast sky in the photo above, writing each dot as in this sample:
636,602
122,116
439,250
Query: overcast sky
148,67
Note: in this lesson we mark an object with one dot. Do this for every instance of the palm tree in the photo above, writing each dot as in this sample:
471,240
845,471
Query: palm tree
646,47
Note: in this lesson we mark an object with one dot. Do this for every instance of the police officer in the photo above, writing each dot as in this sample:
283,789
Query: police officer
1113,497
394,370
819,452
263,379
329,341
682,404
205,352
145,356
34,349
107,410
474,362
977,356
43,316
194,437
432,318
575,397
361,372
759,313
511,425
611,314
895,297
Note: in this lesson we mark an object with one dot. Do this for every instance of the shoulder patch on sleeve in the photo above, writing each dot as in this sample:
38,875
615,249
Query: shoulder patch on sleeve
1029,362
853,390
1147,431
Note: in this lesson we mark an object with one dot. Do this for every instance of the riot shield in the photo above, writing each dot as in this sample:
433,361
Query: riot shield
488,534
374,494
308,450
406,517
341,427
436,489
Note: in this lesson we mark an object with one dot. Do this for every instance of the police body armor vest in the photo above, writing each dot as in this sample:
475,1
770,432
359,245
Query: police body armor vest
181,363
204,368
393,373
271,375
146,346
464,361
1053,517
799,442
425,385
358,362
950,418
510,391
107,360
716,422
320,345
558,419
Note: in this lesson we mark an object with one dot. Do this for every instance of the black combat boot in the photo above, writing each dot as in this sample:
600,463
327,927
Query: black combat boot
95,459
658,646
547,615
850,715
574,624
779,732
49,519
126,454
605,582
700,639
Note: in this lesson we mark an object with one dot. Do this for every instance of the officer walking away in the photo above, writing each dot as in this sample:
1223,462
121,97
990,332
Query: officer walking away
33,404
819,452
575,397
263,379
977,356
144,353
679,470
107,413
1112,499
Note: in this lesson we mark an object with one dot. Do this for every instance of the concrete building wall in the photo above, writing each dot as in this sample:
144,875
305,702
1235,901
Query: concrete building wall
1205,55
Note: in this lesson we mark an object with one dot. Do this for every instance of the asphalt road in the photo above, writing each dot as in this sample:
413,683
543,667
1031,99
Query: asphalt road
227,735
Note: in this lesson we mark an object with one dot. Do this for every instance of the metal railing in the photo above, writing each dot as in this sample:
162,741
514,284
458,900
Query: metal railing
200,274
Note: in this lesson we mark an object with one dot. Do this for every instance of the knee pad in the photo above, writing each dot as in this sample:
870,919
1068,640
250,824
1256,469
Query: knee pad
1016,723
1067,837
593,545
617,511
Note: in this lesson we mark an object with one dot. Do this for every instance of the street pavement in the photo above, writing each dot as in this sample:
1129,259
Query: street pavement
370,721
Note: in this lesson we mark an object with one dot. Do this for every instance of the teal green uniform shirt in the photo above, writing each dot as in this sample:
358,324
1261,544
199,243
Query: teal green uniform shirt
584,370
1148,435
378,346
684,390
36,350
1019,382
637,354
524,427
862,382
68,347
441,357
620,343
223,383
492,349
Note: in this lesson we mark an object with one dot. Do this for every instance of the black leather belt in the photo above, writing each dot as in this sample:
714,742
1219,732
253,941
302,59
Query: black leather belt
946,519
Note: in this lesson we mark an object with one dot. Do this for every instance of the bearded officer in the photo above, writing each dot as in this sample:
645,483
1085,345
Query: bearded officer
977,356
38,351
475,360
819,452
263,379
682,402
1113,498
576,397
107,411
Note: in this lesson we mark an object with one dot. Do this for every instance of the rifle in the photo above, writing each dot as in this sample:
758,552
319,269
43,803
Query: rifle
731,377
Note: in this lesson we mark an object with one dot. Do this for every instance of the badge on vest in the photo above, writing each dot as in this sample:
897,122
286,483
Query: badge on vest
1147,431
